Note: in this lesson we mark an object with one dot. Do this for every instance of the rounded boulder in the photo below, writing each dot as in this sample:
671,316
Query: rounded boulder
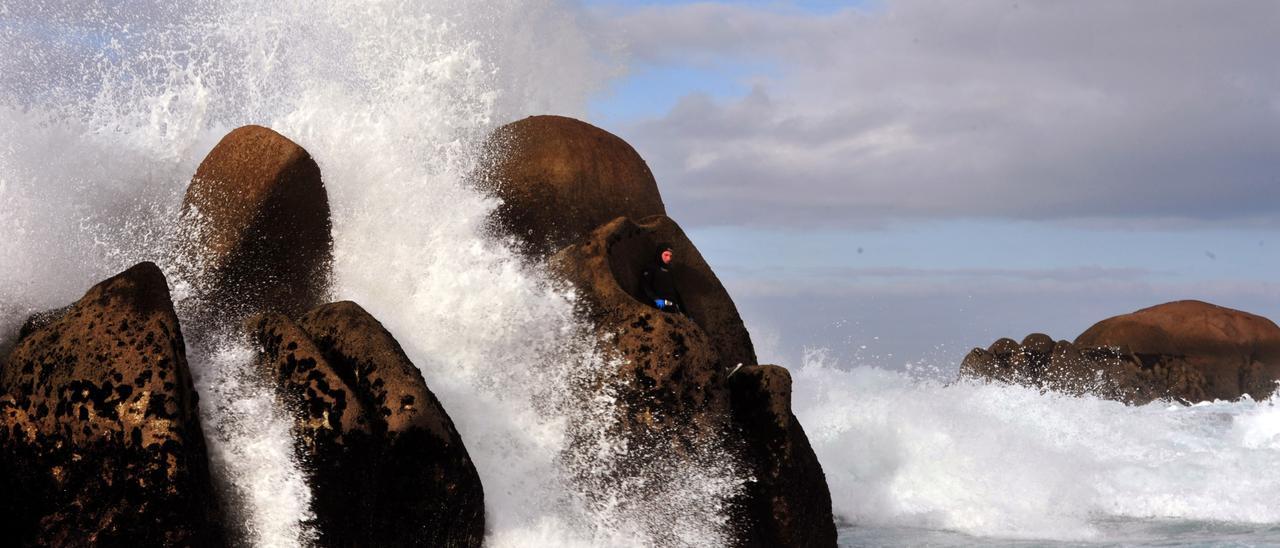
1236,352
256,226
559,178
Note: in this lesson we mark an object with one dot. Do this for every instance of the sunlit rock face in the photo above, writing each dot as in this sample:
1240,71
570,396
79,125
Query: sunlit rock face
256,228
559,178
100,440
1236,352
569,186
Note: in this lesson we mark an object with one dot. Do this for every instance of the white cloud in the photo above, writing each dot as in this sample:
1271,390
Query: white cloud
990,108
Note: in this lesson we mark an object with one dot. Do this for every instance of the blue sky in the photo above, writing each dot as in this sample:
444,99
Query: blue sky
925,179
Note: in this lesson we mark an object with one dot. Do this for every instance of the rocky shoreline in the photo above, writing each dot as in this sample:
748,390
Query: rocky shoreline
1186,351
101,440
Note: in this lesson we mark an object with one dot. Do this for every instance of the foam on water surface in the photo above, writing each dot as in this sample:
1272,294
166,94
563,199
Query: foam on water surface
995,461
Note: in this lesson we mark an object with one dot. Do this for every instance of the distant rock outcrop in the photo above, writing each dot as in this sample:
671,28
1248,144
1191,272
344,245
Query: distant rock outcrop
100,439
257,228
386,465
1236,352
560,178
1188,351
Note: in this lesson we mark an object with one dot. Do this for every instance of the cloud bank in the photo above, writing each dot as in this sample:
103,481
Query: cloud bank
997,109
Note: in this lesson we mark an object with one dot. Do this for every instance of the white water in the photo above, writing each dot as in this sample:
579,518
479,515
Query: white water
906,458
105,113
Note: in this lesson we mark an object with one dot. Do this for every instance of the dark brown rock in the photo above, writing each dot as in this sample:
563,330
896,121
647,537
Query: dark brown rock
675,362
1004,349
607,267
982,364
788,504
1037,347
40,319
99,432
386,465
1236,352
1186,351
1068,371
257,227
559,179
671,382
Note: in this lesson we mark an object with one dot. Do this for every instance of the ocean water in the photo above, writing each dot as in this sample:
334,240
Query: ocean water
913,461
106,109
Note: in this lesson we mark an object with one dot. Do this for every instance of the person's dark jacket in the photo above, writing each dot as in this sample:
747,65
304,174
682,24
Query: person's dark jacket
658,282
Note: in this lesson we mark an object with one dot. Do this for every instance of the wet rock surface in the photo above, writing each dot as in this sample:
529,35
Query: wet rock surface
560,178
672,373
386,465
670,362
1186,351
256,227
789,503
100,440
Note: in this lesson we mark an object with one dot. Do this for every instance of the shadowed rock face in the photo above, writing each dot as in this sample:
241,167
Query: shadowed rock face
1077,370
1188,351
675,363
631,248
256,219
1236,352
559,179
789,503
672,376
99,430
568,186
386,465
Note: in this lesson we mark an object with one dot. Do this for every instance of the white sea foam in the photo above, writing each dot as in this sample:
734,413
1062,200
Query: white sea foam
106,110
1002,461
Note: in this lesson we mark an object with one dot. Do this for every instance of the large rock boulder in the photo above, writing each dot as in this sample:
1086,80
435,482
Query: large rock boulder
1079,370
1186,351
100,439
1236,352
682,357
559,179
256,227
674,396
607,265
788,504
386,465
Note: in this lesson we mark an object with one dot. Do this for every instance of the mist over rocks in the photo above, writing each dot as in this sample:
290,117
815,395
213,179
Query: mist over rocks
256,229
1187,351
385,462
100,438
559,178
565,185
671,366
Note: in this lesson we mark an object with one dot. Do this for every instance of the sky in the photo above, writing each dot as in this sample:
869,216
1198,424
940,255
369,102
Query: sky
895,182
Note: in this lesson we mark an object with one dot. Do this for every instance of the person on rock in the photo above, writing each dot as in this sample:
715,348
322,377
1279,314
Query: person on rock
660,285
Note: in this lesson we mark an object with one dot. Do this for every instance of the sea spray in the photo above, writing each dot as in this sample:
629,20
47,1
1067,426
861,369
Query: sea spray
107,109
1006,462
251,447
